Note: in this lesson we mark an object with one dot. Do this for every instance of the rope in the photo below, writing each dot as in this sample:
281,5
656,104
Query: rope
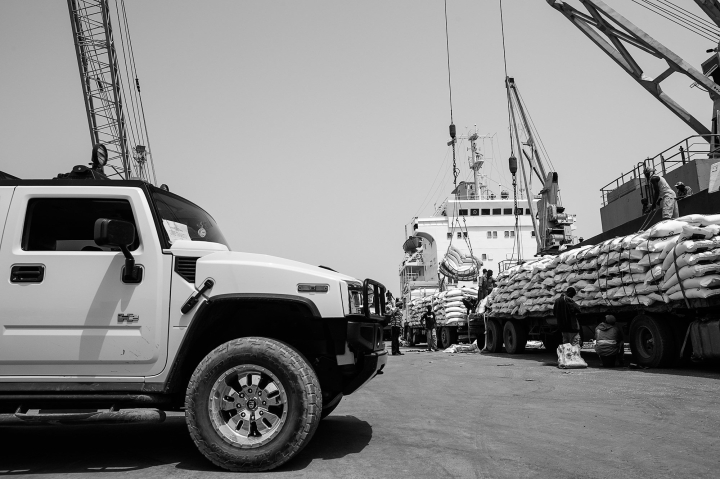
677,274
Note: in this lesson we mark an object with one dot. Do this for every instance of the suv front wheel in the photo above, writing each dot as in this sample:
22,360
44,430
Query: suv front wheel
252,404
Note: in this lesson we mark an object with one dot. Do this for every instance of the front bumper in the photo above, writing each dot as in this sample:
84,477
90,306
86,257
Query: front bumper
365,339
370,365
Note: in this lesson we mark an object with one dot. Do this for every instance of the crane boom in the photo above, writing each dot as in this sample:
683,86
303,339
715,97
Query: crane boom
553,227
603,20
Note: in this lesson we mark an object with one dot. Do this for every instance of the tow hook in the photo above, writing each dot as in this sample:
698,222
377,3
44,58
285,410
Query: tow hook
195,297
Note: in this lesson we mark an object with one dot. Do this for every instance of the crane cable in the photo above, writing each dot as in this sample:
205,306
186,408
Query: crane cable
705,31
516,242
455,169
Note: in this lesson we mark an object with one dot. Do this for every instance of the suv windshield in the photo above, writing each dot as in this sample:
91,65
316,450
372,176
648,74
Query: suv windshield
182,220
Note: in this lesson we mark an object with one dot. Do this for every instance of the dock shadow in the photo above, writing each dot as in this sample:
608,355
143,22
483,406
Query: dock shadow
112,449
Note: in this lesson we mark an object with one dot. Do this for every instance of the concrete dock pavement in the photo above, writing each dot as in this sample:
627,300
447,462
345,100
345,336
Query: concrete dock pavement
435,415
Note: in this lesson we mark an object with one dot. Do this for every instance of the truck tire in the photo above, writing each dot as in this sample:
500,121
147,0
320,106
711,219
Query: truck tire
448,337
652,342
494,336
514,337
252,404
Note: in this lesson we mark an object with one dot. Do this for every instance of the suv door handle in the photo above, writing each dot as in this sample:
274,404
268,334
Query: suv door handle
27,273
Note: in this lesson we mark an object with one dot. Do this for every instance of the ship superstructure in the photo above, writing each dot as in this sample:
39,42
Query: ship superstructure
477,219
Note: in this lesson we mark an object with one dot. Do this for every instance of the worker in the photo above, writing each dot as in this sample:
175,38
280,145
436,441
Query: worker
395,325
482,288
663,194
565,310
489,282
682,190
610,342
429,320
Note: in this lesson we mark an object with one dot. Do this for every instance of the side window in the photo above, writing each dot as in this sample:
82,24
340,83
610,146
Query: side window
68,224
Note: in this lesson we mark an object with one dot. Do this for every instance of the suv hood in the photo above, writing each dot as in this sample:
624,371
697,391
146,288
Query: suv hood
233,258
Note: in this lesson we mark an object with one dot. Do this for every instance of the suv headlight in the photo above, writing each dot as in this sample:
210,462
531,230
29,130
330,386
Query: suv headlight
355,297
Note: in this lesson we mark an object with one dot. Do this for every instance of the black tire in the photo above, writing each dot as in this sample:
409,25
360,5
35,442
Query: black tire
448,337
652,342
327,410
514,337
552,341
297,385
494,336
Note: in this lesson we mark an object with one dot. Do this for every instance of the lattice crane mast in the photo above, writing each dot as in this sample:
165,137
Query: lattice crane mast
112,94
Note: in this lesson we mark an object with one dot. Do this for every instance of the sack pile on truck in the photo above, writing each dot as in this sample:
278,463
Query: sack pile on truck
673,260
447,305
462,266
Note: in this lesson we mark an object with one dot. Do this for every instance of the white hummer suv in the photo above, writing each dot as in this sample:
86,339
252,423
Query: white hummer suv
122,300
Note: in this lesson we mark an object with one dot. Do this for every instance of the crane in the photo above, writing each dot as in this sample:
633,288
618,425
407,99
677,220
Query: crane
619,31
111,89
553,227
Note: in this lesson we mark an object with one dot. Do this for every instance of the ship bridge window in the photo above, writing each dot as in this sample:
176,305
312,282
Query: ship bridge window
459,234
474,212
507,211
527,211
463,212
532,233
485,211
484,257
497,211
449,236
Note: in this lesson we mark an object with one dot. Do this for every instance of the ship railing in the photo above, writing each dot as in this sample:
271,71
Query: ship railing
691,148
488,196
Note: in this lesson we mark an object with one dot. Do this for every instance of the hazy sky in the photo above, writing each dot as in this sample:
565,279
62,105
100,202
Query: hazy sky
313,130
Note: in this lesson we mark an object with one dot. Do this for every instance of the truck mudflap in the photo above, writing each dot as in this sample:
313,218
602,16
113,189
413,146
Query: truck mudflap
371,364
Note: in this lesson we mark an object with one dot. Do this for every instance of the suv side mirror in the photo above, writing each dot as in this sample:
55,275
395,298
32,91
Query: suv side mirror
122,234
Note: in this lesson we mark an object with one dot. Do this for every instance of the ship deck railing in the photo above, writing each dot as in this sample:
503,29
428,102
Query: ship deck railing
691,148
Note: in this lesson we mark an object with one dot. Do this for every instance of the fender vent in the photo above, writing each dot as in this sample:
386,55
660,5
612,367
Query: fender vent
185,267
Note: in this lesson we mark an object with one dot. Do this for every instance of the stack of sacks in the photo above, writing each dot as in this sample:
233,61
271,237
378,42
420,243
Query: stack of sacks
638,269
439,308
422,292
452,306
462,266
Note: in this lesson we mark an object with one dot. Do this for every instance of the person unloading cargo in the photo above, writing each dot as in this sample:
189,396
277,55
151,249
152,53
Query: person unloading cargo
566,310
664,195
610,342
683,191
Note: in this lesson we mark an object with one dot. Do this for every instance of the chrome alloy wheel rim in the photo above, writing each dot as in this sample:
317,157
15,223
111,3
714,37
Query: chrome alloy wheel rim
248,405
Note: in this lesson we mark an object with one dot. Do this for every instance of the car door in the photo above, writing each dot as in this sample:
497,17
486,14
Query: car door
66,310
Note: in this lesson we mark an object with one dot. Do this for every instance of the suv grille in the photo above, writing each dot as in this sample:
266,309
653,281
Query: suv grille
185,267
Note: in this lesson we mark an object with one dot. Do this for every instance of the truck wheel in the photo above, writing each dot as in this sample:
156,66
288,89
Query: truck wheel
448,337
494,336
652,342
514,336
252,404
